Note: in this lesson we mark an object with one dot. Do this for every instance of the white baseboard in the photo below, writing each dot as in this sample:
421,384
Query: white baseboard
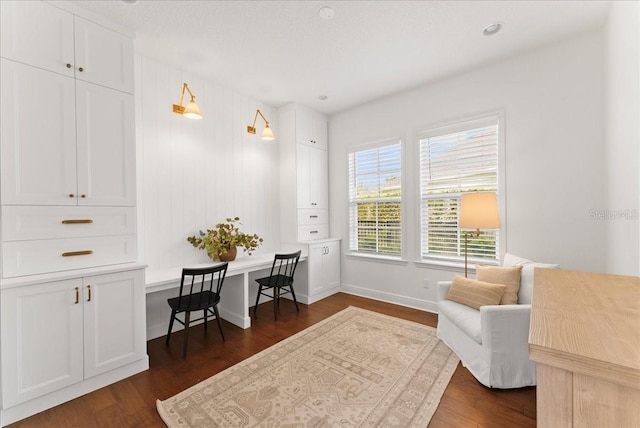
410,302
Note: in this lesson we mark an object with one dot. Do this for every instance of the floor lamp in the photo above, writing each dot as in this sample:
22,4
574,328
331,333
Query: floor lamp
478,210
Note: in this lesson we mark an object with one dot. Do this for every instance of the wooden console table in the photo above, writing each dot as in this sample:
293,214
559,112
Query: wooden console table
585,338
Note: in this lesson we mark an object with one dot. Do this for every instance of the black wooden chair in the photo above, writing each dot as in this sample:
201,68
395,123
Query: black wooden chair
279,281
199,291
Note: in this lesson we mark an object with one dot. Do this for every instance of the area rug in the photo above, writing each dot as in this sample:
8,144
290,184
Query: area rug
355,369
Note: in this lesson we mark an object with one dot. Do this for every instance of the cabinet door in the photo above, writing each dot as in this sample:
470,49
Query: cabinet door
103,56
114,321
311,128
106,146
312,177
38,136
41,339
38,34
331,264
316,270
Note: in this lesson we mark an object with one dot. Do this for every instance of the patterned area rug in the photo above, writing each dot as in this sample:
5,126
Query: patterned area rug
355,369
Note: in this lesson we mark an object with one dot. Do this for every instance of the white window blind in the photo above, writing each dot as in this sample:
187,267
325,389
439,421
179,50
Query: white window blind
459,159
375,192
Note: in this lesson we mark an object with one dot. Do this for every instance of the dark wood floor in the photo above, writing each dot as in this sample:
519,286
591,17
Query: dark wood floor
131,402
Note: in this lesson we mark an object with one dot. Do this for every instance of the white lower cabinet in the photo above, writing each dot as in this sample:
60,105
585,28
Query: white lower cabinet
324,267
56,334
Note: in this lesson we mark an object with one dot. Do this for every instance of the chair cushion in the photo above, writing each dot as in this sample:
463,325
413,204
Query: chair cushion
464,317
509,276
475,293
198,301
526,276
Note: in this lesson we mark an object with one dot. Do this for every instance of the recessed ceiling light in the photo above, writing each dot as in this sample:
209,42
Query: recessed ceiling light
492,29
326,13
322,97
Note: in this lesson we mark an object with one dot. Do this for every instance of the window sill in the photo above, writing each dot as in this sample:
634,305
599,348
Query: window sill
376,258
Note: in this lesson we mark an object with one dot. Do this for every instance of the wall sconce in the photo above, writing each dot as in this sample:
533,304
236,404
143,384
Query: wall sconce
267,133
191,111
478,210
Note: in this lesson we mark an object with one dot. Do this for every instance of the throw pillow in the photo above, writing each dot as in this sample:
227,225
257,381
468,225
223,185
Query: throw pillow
509,276
475,293
526,276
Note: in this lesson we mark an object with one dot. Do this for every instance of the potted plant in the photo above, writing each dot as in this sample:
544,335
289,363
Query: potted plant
221,243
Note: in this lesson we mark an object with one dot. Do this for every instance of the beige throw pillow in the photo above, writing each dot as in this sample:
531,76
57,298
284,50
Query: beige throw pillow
509,276
475,293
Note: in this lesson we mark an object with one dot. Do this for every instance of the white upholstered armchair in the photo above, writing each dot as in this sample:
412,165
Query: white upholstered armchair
492,342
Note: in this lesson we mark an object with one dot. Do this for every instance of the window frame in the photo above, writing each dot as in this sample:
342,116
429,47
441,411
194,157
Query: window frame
352,235
456,263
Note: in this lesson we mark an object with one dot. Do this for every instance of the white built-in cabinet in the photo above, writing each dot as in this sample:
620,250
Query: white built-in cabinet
72,292
58,333
304,186
324,267
303,174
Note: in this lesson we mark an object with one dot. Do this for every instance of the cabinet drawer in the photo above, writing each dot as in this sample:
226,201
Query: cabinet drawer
53,255
32,222
311,216
313,231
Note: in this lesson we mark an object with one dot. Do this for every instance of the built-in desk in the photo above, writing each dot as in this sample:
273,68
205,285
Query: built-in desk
585,338
234,301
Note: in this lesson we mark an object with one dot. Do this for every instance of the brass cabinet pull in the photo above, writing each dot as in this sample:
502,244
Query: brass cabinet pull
77,253
313,216
79,221
71,195
80,69
313,231
89,292
68,65
77,295
83,196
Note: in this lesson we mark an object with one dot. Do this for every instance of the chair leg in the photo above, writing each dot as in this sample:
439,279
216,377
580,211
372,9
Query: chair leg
186,334
173,316
294,297
205,320
255,308
215,309
276,302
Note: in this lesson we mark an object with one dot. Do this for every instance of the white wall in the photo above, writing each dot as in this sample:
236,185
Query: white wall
620,212
193,174
552,99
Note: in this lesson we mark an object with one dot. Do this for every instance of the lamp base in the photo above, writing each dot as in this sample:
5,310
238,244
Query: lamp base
178,109
251,129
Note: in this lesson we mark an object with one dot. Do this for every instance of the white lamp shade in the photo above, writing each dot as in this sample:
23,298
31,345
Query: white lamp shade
192,111
479,211
267,134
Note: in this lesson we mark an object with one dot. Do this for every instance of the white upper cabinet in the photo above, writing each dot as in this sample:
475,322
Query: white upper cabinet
38,136
44,36
311,128
38,34
103,56
105,146
50,155
313,175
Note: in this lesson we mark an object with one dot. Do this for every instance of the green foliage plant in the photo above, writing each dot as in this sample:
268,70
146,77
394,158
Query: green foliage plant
223,238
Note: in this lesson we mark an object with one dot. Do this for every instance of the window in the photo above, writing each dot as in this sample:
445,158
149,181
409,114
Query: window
454,160
375,199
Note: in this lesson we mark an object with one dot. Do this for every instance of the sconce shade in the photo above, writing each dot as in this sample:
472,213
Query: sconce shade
191,111
267,132
479,211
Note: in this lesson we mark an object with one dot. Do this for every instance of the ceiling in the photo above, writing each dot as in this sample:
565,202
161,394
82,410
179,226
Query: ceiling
283,51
